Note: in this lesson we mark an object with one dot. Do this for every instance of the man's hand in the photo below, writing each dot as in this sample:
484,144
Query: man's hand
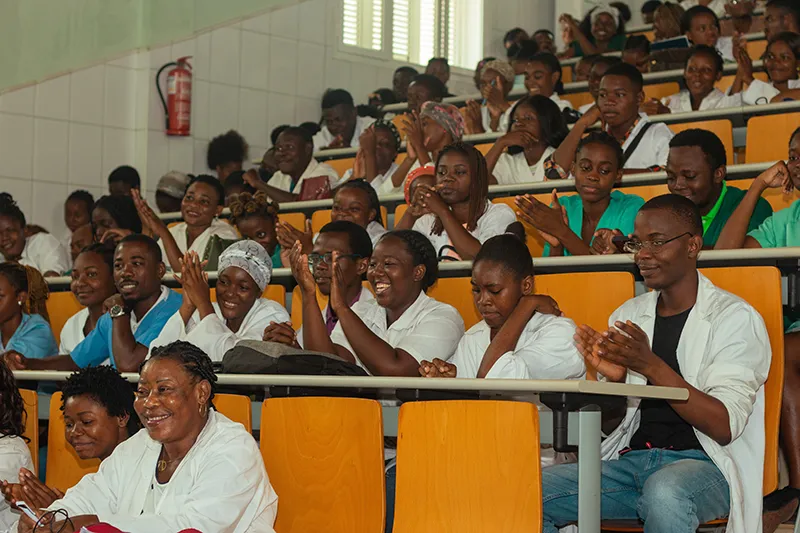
627,345
437,369
281,332
111,301
587,340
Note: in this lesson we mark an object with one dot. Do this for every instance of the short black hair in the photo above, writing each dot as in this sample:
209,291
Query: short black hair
422,253
235,180
334,97
794,134
637,42
788,6
650,6
624,11
360,243
406,70
707,141
601,137
507,250
193,360
708,51
122,210
386,96
230,147
303,133
369,190
9,208
311,127
524,51
692,12
549,60
149,242
609,61
679,206
440,60
106,386
82,196
512,34
213,183
276,131
551,119
432,83
16,275
127,175
627,71
104,250
791,39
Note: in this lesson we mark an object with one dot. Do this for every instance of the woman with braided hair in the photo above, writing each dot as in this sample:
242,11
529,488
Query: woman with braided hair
256,218
41,250
378,148
191,468
23,329
14,452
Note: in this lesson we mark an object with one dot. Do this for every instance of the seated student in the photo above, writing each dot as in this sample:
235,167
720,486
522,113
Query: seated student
545,40
542,76
703,70
600,66
400,81
170,191
236,184
24,327
239,313
196,469
649,10
92,284
424,88
606,32
570,224
514,36
583,67
437,126
782,63
675,465
353,247
461,216
123,180
701,26
380,98
136,314
342,125
440,69
476,76
667,21
356,201
226,153
115,217
294,153
200,208
256,218
81,238
496,81
637,53
377,152
715,6
390,335
522,335
14,453
41,250
537,128
77,213
421,176
97,406
780,16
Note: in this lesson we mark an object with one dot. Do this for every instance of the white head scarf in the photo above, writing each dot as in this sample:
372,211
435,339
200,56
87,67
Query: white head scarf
608,9
250,257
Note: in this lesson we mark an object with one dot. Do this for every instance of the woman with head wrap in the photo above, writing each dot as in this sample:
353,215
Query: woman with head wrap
607,32
496,81
436,126
240,313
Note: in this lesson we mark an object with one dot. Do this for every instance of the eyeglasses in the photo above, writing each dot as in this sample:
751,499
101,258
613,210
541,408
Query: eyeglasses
634,246
315,259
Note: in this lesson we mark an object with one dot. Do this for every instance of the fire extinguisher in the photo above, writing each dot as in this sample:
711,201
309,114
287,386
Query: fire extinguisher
178,104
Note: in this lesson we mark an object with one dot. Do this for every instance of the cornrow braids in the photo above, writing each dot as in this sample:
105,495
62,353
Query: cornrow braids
12,407
389,126
10,208
30,281
193,360
478,185
422,253
372,196
106,386
247,205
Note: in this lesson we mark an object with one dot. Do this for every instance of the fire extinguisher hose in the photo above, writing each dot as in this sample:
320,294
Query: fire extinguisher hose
161,93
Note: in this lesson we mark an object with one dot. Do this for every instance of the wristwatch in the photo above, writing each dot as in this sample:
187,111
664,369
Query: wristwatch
117,311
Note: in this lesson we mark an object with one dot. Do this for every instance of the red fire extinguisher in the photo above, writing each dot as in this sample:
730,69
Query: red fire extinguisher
178,105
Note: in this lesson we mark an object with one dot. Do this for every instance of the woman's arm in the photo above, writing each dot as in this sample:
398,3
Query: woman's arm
157,226
791,94
465,244
565,153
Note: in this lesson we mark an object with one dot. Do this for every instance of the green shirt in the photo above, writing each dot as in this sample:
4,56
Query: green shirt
617,43
781,229
726,204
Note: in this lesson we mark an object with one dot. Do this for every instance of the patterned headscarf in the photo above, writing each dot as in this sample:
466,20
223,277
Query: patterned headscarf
427,170
447,116
504,68
250,257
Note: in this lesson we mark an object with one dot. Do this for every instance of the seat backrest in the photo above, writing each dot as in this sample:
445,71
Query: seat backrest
64,467
775,197
236,407
721,128
484,147
768,137
725,83
577,99
341,165
296,220
661,90
325,459
468,466
533,240
458,293
760,286
276,293
61,306
297,306
323,216
756,49
31,399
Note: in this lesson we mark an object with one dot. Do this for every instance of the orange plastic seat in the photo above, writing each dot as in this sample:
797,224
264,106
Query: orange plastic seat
533,240
325,459
721,128
276,293
31,400
64,467
768,137
341,165
296,220
484,147
578,99
323,216
236,407
756,49
725,83
661,90
61,306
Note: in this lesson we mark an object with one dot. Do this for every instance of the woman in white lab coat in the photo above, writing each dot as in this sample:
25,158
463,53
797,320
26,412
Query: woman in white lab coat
14,453
191,467
240,313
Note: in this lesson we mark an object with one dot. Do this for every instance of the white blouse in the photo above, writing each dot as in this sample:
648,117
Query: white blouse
45,253
217,227
14,454
315,169
760,92
72,332
716,99
513,169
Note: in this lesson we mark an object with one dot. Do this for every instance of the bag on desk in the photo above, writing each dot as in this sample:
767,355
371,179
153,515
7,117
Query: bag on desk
317,188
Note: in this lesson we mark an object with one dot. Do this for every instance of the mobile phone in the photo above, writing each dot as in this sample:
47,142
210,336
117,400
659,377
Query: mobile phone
619,241
22,506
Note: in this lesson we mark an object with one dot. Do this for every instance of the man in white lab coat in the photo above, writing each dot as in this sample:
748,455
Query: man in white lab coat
675,465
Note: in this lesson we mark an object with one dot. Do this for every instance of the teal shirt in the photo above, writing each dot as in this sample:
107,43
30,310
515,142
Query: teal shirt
33,338
780,230
617,43
276,257
620,214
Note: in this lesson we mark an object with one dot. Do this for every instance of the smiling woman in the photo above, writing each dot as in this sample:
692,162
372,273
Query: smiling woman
42,251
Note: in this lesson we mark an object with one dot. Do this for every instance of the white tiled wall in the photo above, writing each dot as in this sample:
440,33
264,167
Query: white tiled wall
71,131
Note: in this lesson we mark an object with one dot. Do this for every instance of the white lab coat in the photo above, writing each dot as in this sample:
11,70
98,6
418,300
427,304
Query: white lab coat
682,102
14,454
724,351
212,335
221,485
761,92
45,253
218,227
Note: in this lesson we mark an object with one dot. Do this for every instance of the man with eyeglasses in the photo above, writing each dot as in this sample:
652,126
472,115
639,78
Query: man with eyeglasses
355,248
675,465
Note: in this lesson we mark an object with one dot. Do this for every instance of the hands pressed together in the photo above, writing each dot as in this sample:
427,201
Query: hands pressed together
623,347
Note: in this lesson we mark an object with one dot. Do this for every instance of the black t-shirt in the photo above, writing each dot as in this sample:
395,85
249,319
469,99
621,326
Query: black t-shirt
660,425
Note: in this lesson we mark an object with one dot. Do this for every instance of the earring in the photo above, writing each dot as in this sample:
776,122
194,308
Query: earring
203,410
19,303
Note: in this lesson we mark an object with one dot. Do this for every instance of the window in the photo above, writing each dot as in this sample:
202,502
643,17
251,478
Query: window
417,29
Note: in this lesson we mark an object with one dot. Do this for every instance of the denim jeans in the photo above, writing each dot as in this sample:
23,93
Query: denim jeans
391,480
671,491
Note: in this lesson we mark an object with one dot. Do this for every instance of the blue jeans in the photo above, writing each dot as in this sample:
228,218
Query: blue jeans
670,491
391,480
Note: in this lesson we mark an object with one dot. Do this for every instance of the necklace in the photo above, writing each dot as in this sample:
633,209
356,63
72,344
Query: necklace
163,463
